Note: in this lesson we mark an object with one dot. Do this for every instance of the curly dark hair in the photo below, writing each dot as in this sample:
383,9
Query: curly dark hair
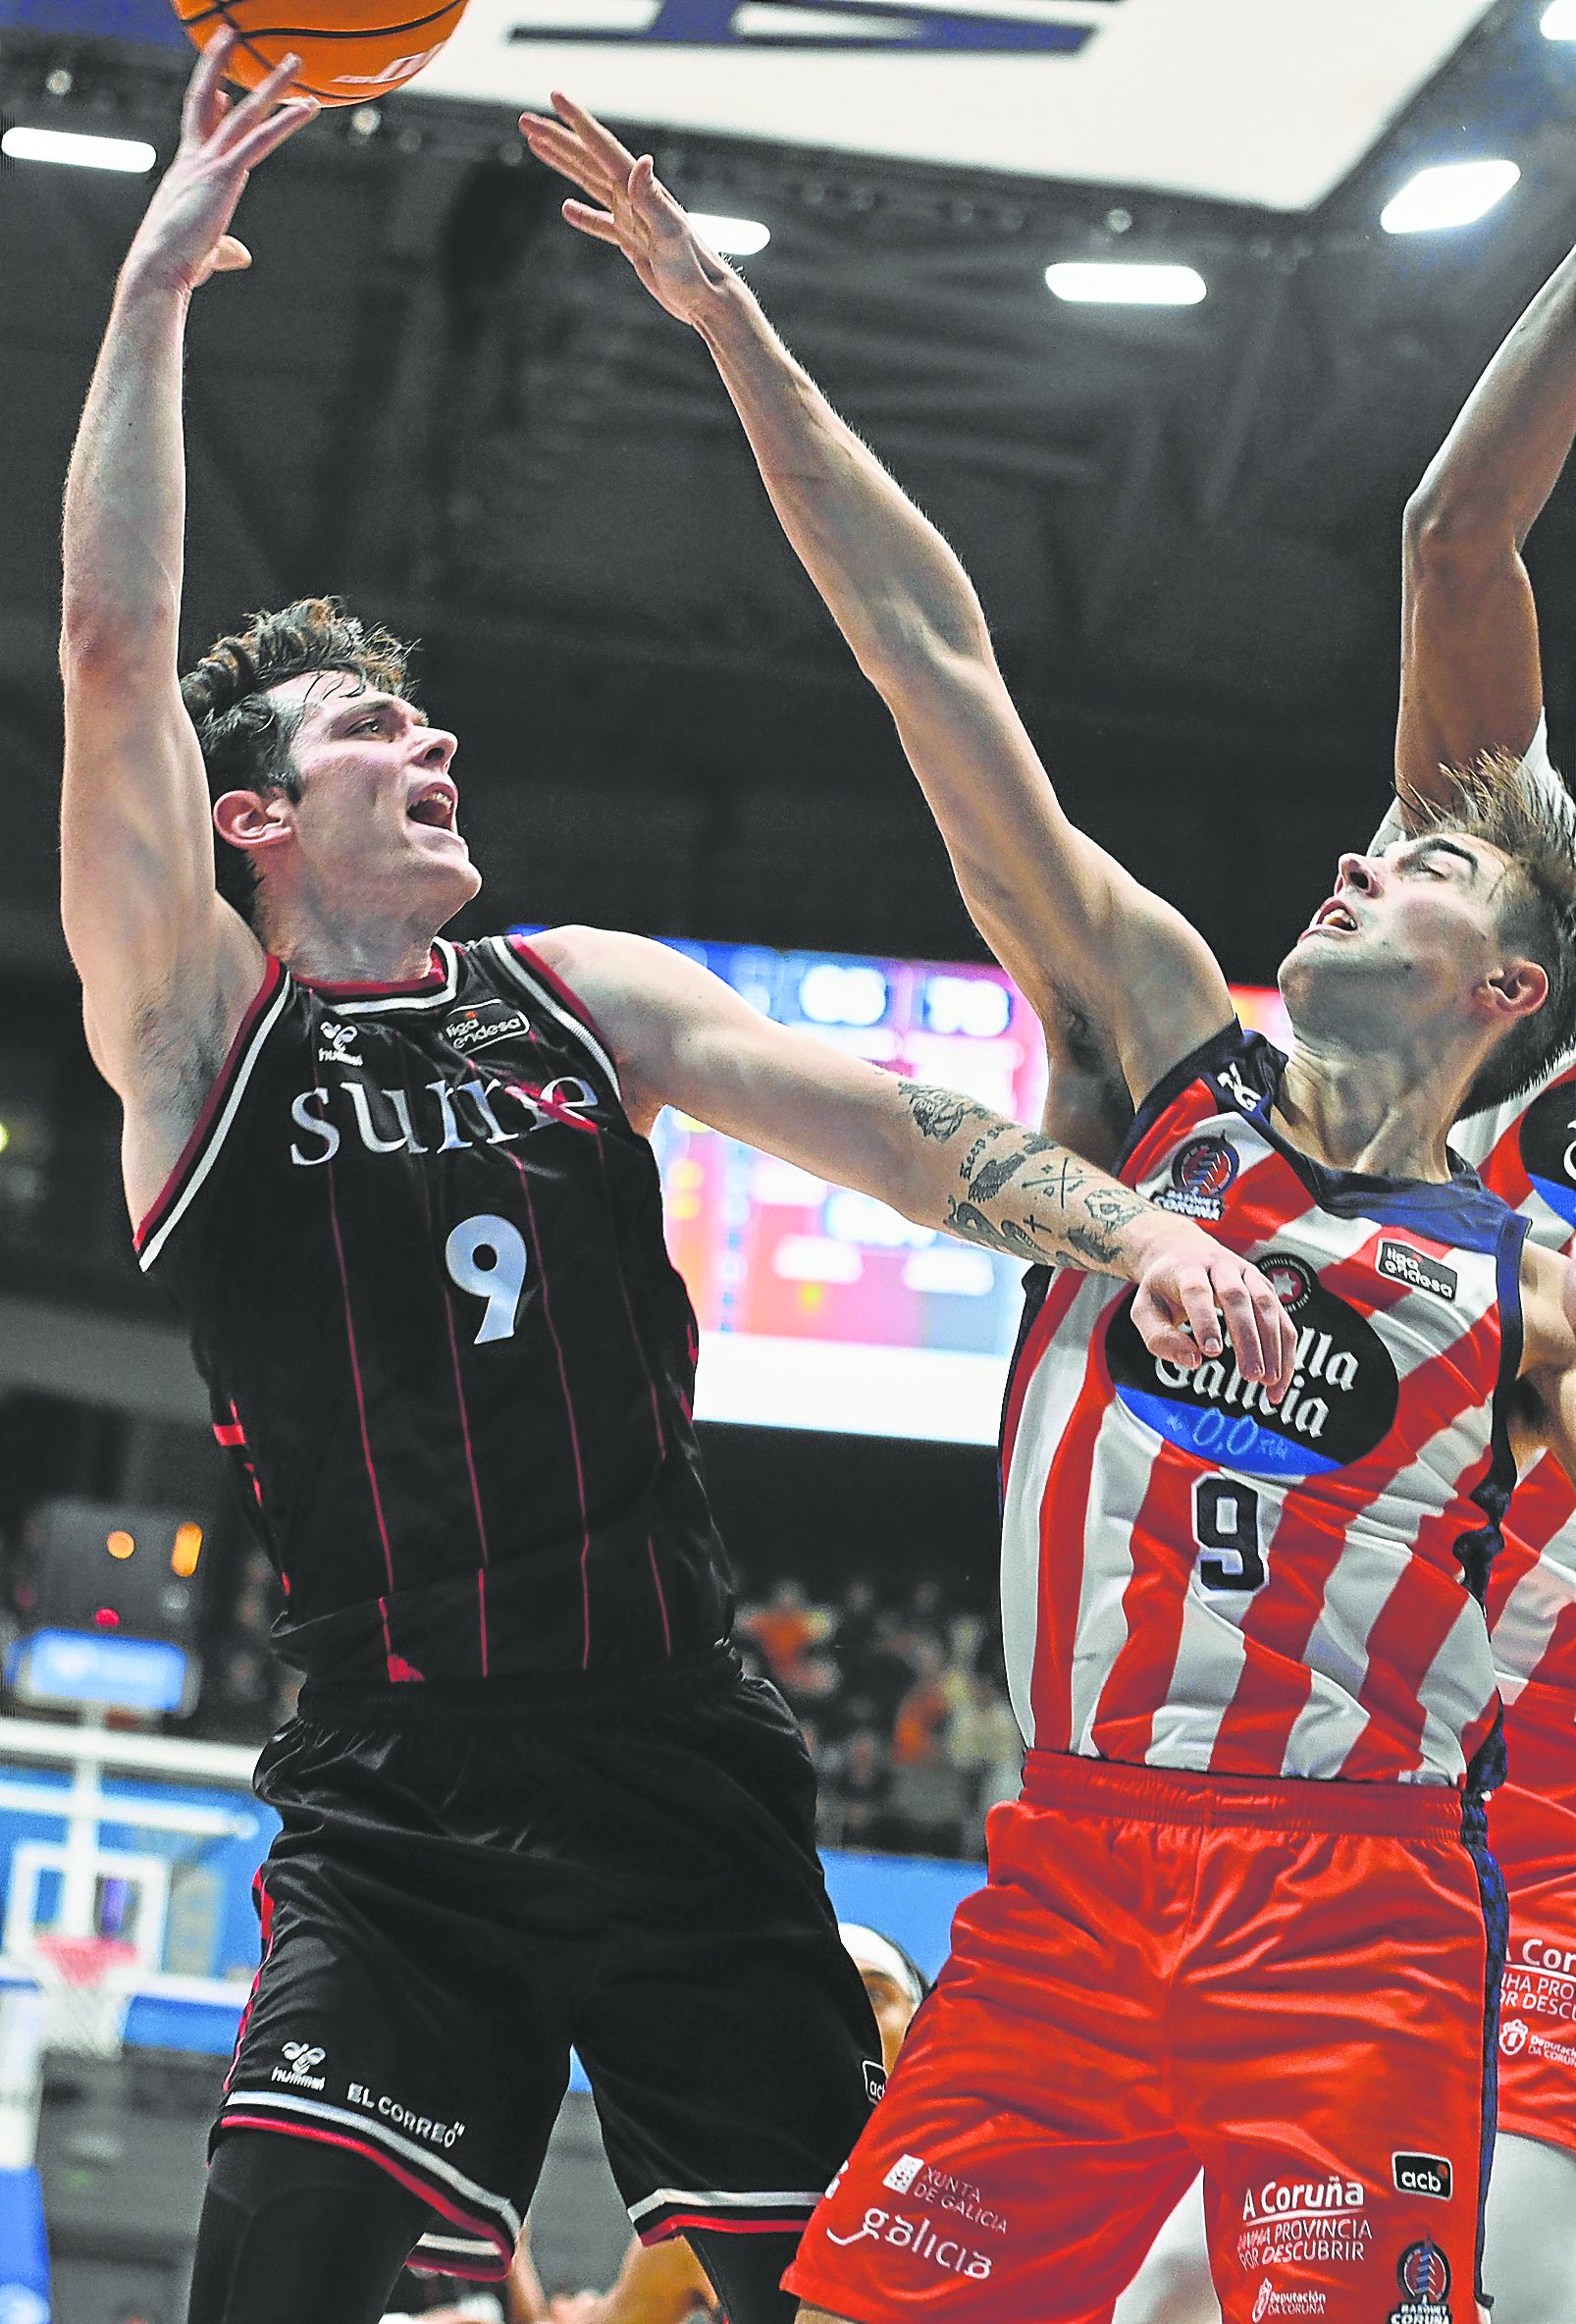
245,734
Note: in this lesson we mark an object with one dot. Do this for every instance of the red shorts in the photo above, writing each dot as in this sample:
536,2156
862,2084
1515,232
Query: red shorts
1535,1843
1284,1982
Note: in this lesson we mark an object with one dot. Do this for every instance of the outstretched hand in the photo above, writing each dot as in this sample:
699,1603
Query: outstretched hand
1190,1285
629,207
185,236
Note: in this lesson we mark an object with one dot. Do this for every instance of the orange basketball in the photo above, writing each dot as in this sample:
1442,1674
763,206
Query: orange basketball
351,50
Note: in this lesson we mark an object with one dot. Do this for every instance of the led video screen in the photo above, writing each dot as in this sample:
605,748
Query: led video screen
822,1309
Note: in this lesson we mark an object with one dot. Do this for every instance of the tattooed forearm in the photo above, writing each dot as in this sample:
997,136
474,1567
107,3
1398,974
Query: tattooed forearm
1023,1194
1097,1251
941,1113
1006,1236
986,1182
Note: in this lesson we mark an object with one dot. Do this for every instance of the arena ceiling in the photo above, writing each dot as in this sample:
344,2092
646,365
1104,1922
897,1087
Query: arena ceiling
432,397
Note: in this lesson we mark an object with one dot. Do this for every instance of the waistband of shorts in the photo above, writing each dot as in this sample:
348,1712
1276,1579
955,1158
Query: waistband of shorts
1179,1795
549,1694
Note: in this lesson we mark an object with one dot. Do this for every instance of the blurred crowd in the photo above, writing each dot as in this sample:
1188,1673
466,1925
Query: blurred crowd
904,1708
901,1699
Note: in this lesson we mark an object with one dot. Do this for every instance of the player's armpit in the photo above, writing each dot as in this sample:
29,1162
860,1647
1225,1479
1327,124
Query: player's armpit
168,968
1088,1105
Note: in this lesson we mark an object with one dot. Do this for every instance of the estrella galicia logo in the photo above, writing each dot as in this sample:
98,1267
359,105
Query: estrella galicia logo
1200,1174
1549,1146
1339,1406
1424,2275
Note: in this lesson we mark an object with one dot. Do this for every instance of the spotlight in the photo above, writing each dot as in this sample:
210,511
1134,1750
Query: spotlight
1452,194
1559,20
1118,283
87,153
731,237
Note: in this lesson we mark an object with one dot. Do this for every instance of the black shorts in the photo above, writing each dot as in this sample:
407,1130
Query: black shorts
460,1892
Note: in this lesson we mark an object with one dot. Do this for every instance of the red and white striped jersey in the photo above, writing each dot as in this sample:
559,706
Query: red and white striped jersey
1526,1151
1195,1578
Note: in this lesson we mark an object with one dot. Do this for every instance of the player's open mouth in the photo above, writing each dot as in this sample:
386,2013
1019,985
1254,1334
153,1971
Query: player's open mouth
1333,919
435,804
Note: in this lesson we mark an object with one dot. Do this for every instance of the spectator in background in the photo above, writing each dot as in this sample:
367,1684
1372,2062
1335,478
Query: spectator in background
983,1743
853,1635
859,1775
785,1629
922,1714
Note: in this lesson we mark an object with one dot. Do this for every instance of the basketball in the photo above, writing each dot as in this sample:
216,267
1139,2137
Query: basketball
351,50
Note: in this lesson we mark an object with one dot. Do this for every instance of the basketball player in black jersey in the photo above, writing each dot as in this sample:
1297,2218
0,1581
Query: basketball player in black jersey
401,1191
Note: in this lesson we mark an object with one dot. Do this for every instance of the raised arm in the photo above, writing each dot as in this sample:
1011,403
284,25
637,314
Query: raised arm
683,1037
166,967
1471,679
1080,935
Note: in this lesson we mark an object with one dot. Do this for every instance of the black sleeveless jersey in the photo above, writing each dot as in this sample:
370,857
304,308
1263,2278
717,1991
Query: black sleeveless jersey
419,1250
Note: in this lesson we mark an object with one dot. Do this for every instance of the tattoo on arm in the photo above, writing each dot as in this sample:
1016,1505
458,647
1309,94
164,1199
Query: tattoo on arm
1021,1193
940,1113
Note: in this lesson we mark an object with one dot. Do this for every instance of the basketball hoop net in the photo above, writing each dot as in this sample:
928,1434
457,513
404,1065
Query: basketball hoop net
85,1986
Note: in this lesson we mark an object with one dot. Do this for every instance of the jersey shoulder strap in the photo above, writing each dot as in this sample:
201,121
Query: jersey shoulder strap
513,966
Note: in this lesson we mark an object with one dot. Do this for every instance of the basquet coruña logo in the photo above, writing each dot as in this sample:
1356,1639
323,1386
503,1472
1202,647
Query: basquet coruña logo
1424,2275
1199,1178
1338,1405
1549,1146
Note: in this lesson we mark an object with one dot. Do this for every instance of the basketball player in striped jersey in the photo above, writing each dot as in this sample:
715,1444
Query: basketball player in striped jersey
1244,1914
1472,686
401,1192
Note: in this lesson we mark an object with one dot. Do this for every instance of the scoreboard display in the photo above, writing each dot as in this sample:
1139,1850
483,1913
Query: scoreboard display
824,1309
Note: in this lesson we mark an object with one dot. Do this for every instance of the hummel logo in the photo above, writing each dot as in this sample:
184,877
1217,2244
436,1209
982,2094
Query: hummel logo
335,1044
1240,1092
301,2058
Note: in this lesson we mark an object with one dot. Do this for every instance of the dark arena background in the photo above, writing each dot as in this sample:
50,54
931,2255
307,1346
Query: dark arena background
1183,506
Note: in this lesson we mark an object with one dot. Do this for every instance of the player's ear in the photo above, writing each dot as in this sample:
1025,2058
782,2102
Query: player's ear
252,818
1518,989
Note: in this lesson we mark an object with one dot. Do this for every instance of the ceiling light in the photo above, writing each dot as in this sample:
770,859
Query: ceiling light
88,153
731,237
1453,193
1123,284
1559,20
